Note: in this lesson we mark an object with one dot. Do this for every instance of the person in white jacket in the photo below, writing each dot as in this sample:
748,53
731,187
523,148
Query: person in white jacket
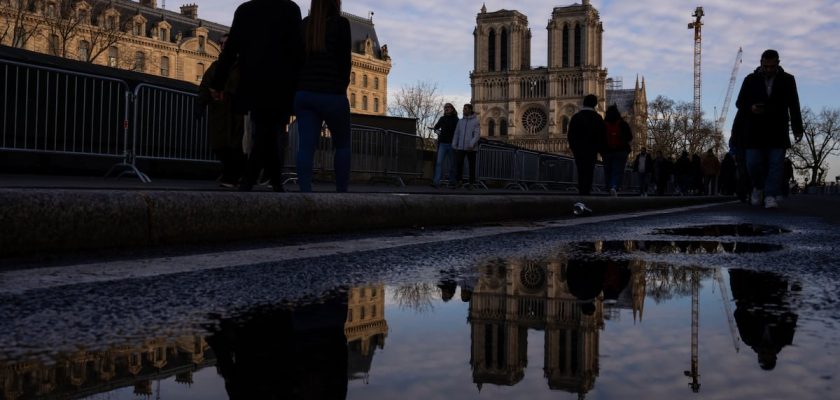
465,143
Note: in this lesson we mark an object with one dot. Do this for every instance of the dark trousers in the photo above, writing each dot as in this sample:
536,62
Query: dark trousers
233,163
585,164
268,150
312,110
459,164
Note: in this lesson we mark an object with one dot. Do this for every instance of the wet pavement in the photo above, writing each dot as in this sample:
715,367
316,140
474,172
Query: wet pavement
547,309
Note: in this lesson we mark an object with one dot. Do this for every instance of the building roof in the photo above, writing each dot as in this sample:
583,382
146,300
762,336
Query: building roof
180,23
360,30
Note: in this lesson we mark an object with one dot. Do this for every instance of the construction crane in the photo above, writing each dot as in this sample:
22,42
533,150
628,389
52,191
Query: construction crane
697,26
725,109
727,308
694,373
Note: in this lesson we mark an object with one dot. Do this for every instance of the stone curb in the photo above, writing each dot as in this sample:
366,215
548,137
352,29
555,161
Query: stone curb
41,221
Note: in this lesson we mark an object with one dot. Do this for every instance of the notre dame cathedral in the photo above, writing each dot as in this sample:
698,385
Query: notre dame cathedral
531,106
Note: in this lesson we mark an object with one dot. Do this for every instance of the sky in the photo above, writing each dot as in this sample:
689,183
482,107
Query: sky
432,41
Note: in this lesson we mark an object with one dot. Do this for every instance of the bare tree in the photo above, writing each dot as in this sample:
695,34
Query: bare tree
107,32
17,21
63,23
820,140
421,102
673,128
417,297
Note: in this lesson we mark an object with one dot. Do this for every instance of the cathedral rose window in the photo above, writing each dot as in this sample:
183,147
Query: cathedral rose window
534,120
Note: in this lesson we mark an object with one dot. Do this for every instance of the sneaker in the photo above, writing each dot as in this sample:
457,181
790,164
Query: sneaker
227,185
770,202
755,197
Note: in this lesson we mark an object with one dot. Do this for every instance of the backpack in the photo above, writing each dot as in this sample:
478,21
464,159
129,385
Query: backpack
614,141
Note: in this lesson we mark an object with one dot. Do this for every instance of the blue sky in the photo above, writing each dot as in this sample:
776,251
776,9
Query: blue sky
431,40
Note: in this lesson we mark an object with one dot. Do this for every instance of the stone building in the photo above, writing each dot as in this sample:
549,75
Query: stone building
365,328
141,37
531,106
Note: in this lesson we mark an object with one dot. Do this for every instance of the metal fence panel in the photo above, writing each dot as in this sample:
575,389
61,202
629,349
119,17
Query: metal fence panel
165,126
54,111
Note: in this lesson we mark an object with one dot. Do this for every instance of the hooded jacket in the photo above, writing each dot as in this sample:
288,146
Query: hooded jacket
467,133
770,129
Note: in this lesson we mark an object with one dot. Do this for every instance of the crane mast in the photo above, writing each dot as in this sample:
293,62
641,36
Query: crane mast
697,26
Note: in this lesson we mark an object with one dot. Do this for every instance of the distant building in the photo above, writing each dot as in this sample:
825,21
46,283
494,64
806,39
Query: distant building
632,103
141,37
532,106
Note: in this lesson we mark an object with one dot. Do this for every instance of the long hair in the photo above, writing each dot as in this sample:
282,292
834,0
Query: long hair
316,27
612,114
452,110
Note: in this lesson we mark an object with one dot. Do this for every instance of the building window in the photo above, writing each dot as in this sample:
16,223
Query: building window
364,81
164,35
376,104
491,51
164,66
51,10
137,29
352,78
113,56
199,71
364,103
54,50
504,48
20,35
566,45
352,100
565,124
201,42
503,127
139,61
349,315
376,83
491,128
578,45
83,16
111,22
84,50
373,311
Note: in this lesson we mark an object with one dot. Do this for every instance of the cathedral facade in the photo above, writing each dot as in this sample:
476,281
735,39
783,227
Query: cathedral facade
531,106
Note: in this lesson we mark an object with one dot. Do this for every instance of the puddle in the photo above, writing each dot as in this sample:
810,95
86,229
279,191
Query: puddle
519,328
673,247
747,230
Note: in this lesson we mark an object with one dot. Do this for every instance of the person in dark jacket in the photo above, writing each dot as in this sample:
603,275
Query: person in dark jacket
322,91
661,173
446,130
586,130
265,40
616,148
728,175
643,167
682,173
225,125
771,102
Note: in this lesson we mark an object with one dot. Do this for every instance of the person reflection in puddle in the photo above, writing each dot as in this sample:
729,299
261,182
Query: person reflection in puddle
586,282
765,319
274,353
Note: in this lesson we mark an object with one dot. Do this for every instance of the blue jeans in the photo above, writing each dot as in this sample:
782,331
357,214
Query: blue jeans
614,164
312,109
444,151
766,170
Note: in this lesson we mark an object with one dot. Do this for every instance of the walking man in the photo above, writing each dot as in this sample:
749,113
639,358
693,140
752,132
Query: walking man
265,38
770,100
586,130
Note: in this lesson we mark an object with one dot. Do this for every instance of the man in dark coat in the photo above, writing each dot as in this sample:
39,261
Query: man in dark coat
265,38
586,130
771,102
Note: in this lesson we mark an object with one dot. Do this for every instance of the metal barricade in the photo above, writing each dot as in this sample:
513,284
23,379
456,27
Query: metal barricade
166,127
48,110
556,170
497,163
527,168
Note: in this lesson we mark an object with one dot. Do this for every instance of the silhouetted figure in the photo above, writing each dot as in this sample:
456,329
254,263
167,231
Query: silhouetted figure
682,173
274,353
322,91
728,175
763,313
662,172
225,126
643,167
787,177
616,278
586,131
770,101
737,147
616,148
711,169
265,39
585,279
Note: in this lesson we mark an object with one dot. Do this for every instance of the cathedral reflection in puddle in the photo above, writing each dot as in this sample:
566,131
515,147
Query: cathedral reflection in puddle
602,324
